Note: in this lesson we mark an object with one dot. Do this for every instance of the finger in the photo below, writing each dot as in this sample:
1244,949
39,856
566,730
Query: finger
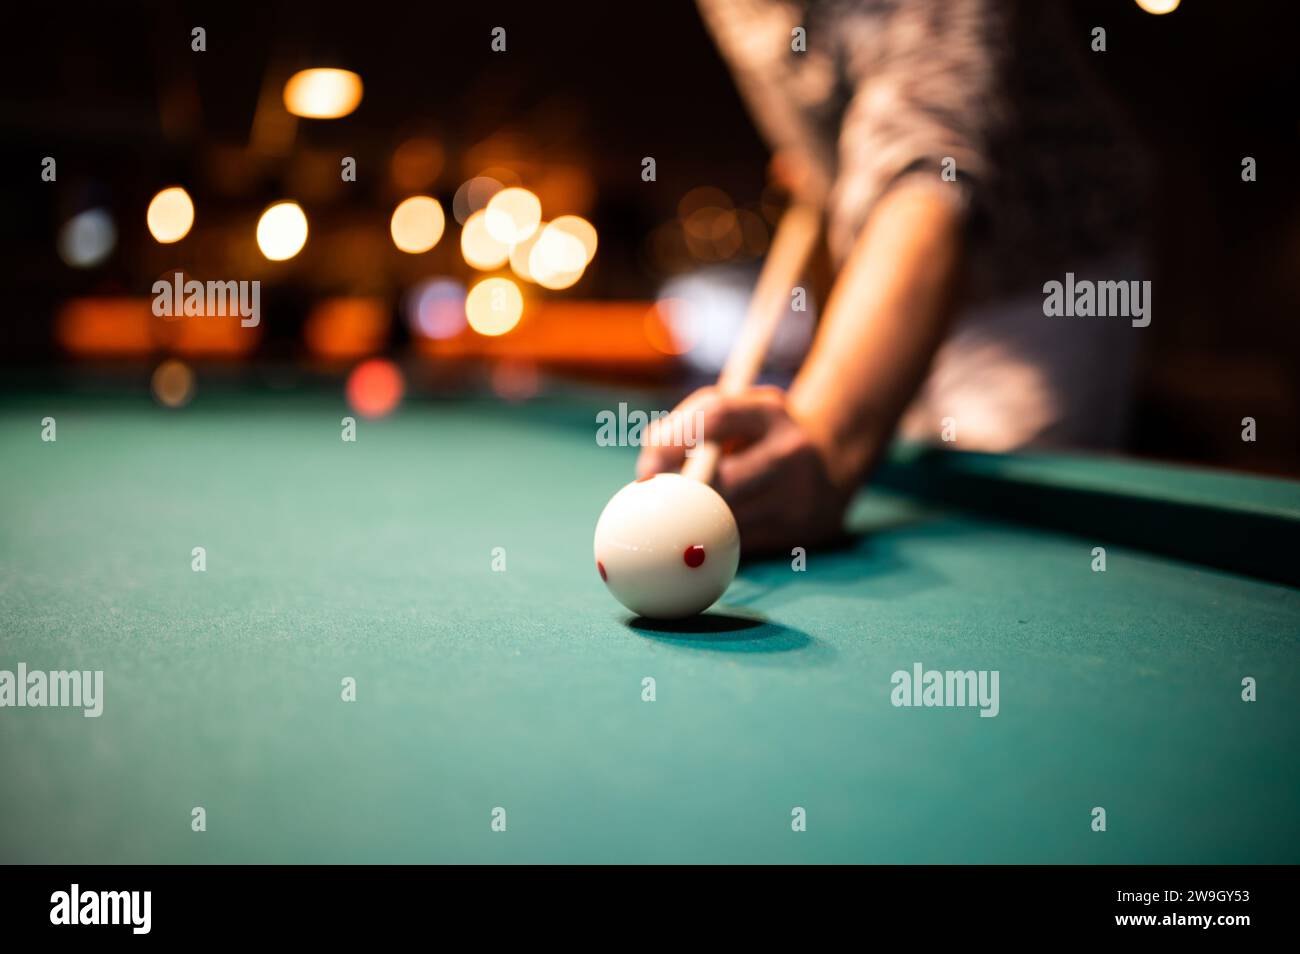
663,444
659,459
747,474
707,415
733,420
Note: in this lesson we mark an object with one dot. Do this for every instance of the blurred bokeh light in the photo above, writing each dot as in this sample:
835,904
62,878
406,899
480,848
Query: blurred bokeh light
170,215
436,308
659,328
704,312
105,327
282,231
580,229
350,327
520,253
473,195
512,215
417,224
702,197
1159,6
479,248
375,387
87,238
322,93
173,383
494,306
558,259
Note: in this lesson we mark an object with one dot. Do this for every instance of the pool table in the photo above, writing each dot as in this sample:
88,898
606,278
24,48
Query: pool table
502,711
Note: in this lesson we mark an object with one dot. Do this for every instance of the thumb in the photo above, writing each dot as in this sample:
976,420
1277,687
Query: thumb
707,415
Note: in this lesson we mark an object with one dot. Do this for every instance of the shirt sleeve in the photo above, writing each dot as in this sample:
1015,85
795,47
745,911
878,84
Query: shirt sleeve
781,88
922,98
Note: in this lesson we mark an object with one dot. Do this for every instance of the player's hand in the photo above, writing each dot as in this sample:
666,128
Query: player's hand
773,475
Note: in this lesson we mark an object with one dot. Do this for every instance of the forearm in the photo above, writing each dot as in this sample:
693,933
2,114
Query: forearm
886,316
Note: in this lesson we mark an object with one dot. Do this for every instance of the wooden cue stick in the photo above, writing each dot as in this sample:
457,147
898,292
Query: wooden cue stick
792,245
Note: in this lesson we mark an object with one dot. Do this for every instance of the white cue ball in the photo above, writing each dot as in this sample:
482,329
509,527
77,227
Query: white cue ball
667,546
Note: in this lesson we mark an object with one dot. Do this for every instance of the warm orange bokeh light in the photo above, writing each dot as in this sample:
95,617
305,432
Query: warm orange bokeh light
494,306
558,259
172,383
659,330
417,224
322,93
347,327
474,195
702,197
282,231
580,229
106,327
1159,7
121,327
479,248
170,215
520,252
567,332
512,215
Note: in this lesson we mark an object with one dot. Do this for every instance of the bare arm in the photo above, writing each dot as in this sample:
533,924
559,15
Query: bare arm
886,316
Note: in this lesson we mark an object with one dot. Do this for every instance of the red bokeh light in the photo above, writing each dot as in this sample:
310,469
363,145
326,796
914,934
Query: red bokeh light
375,387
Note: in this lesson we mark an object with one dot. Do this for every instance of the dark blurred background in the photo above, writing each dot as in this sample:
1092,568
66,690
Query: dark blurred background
582,93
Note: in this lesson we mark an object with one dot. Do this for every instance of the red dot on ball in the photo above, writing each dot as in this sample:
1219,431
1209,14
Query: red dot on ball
642,480
601,567
694,555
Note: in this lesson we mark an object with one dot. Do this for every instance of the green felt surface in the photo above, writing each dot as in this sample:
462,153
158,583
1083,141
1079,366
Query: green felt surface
522,689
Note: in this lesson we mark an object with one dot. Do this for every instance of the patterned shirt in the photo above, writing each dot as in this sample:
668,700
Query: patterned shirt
893,88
